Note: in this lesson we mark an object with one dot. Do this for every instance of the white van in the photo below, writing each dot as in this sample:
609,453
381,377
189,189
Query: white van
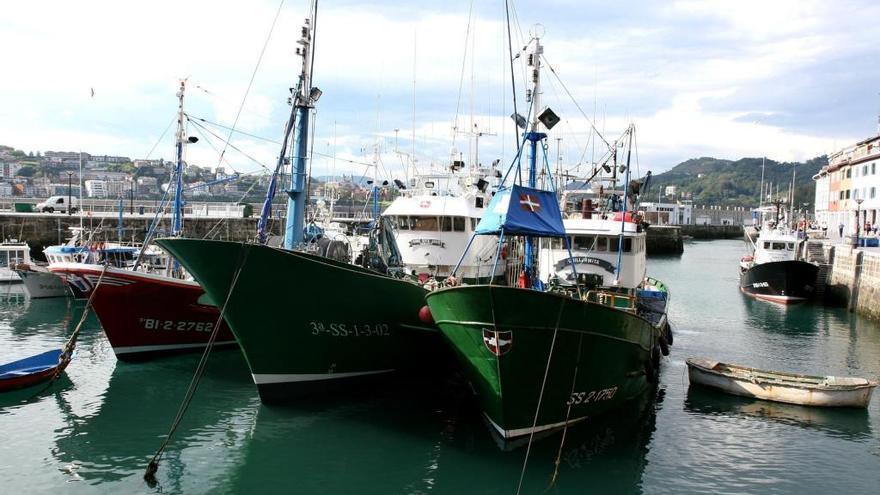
57,203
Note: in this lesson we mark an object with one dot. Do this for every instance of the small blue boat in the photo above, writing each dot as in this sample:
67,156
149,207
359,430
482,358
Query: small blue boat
32,370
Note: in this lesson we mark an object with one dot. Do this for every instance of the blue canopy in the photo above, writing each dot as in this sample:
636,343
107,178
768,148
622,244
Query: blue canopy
522,211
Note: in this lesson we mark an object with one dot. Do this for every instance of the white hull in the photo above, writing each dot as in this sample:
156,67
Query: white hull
8,276
762,385
43,284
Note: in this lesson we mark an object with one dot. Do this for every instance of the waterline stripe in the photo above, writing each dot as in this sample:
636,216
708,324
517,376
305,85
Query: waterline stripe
164,347
518,432
267,378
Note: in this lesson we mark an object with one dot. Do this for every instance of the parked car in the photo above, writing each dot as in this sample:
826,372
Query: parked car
58,203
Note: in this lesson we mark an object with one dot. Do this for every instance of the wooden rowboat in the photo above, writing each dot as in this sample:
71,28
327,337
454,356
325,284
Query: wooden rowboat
32,370
829,391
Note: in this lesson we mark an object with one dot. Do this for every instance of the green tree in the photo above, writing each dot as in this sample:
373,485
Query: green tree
26,171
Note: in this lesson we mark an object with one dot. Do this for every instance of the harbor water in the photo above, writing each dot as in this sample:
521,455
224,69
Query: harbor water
95,430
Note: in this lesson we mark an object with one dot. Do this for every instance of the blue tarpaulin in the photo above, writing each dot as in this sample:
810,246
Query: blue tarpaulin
522,211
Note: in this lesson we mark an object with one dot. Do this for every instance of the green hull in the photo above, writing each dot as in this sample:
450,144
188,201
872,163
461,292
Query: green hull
306,323
601,357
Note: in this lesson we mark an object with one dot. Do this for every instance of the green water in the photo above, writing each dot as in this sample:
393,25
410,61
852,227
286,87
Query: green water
95,430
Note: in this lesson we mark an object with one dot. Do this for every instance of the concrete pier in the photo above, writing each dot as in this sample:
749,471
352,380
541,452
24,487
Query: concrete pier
664,239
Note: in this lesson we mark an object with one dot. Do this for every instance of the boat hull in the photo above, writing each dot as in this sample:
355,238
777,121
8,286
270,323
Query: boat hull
43,284
783,282
857,396
308,324
145,315
600,357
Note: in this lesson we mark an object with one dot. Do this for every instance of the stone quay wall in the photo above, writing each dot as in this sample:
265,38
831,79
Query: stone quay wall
854,279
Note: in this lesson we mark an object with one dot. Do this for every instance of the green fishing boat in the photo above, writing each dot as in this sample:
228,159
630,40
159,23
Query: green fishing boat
305,322
582,330
316,313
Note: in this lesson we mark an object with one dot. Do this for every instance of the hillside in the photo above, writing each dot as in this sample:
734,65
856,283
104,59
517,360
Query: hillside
736,183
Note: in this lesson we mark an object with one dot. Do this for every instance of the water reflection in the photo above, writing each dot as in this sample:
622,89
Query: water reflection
847,423
117,439
418,442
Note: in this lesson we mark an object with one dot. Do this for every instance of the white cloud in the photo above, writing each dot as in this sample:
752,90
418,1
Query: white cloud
661,71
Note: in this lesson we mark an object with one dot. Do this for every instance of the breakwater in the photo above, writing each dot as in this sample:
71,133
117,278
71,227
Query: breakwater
713,231
41,230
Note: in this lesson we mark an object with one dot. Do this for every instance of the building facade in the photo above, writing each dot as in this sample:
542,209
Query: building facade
848,186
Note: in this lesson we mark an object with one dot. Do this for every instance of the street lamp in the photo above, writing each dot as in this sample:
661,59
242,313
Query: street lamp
69,195
858,218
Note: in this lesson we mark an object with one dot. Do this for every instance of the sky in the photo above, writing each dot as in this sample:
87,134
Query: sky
789,80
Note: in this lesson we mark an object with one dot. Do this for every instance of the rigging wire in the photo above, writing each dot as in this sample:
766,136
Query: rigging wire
251,82
512,75
173,120
576,104
237,131
249,157
461,78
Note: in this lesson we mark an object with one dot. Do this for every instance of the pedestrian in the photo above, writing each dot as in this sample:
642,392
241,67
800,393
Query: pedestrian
824,229
840,230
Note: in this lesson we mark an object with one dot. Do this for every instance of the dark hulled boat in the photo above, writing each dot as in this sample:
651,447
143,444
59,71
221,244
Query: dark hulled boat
786,282
773,272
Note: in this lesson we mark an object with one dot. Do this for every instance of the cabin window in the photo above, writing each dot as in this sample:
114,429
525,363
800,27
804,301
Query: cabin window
556,243
458,224
583,242
778,246
766,245
789,246
424,224
627,245
446,224
478,202
4,260
601,243
474,223
403,223
613,244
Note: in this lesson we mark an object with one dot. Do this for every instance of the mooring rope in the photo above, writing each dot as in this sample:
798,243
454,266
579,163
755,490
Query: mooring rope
153,465
567,415
69,346
522,474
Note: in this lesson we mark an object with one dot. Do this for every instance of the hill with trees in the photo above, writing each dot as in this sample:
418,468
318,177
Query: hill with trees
714,181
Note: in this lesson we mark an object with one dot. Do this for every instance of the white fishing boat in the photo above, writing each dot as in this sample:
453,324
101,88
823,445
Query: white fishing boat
434,219
828,391
12,253
39,282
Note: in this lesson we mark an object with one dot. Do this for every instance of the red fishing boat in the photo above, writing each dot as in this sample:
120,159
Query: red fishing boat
145,314
147,306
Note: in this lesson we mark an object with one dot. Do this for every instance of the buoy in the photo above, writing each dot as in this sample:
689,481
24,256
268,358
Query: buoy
425,315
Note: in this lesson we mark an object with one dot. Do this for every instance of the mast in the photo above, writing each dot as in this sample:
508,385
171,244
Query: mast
533,136
177,220
303,102
761,198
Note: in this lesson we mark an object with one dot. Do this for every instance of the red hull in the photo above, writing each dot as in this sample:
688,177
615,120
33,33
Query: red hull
29,380
144,314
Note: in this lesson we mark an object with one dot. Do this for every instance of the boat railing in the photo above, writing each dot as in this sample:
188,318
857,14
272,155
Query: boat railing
617,300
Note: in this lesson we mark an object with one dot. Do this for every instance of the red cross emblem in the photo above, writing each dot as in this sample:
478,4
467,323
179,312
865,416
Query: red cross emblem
529,202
